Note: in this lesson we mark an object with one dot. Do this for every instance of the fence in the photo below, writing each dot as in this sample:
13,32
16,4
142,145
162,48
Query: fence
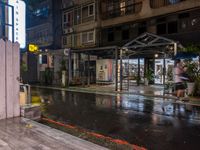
9,79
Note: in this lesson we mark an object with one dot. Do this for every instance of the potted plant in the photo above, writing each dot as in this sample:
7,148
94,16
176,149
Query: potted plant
148,77
192,68
193,75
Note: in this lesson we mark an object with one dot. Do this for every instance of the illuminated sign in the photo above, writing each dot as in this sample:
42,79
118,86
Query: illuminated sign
19,22
33,48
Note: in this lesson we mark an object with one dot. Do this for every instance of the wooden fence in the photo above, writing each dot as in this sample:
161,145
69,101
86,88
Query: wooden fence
9,79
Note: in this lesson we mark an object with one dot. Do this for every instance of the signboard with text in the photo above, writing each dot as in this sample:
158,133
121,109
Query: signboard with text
19,22
33,48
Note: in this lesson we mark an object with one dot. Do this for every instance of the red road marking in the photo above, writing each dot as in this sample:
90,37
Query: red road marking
117,141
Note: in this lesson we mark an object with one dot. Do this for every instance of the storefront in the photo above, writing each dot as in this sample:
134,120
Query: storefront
149,58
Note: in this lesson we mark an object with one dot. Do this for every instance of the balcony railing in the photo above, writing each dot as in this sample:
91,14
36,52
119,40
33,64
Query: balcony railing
127,10
162,3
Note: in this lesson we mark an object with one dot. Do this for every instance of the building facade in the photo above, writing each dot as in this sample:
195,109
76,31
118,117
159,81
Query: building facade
123,20
93,24
80,24
43,30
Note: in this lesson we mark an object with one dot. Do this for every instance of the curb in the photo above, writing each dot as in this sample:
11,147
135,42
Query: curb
113,93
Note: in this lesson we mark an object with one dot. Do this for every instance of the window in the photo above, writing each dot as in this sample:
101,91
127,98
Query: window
64,40
67,19
88,11
172,27
84,37
122,7
161,29
88,37
162,3
116,8
110,35
44,59
142,27
77,16
183,21
91,10
125,32
183,15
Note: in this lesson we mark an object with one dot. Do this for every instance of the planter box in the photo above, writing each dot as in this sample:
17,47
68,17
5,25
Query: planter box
190,88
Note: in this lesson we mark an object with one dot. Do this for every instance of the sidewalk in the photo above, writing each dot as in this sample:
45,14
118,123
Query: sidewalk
149,91
24,134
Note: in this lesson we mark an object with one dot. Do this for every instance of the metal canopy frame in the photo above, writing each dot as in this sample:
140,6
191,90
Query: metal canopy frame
148,40
147,44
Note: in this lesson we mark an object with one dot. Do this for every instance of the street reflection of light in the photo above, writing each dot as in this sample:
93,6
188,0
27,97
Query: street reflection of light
118,100
63,95
154,119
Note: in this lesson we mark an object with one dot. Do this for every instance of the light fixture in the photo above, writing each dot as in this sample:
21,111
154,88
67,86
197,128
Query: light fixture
156,55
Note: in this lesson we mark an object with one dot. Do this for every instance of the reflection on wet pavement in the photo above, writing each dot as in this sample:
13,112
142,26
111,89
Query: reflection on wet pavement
150,122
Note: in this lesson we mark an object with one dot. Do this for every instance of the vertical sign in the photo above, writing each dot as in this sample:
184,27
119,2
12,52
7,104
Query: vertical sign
19,22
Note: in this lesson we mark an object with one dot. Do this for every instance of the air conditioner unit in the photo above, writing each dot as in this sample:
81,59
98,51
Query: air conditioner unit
69,30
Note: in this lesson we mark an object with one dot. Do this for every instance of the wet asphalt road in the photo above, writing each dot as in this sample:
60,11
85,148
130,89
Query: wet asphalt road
153,123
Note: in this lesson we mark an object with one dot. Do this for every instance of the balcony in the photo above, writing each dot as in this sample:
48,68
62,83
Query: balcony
162,3
122,11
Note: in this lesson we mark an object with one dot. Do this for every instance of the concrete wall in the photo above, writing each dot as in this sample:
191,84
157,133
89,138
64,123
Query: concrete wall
9,79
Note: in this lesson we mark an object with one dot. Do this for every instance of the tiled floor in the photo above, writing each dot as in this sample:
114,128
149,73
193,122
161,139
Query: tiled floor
23,134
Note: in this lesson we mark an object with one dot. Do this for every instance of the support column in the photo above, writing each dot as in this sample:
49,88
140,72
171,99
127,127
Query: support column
128,75
175,48
74,66
79,65
121,70
88,69
164,70
69,68
116,69
138,78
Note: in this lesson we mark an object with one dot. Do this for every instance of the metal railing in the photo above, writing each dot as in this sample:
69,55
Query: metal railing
162,3
127,10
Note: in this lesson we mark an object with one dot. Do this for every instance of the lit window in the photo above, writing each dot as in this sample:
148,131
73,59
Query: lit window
122,7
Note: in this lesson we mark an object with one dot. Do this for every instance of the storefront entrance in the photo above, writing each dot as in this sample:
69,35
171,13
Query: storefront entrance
159,70
149,60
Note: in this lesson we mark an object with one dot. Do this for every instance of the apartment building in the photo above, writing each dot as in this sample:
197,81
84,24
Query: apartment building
123,20
80,24
91,24
40,24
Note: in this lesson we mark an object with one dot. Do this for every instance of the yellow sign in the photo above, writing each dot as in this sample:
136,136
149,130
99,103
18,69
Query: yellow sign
33,48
